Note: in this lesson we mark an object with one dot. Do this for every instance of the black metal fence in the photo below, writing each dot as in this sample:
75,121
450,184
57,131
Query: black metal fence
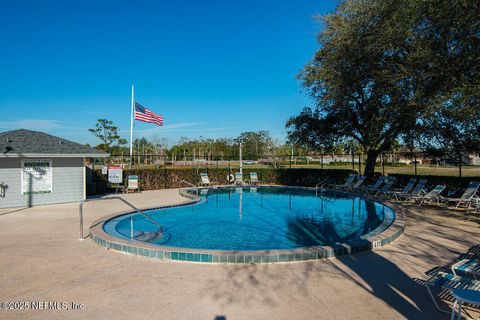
415,163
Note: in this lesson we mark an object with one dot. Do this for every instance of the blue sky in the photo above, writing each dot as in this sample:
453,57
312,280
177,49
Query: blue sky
212,68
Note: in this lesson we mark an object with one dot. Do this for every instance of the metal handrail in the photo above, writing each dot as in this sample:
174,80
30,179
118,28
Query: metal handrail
114,198
320,184
188,183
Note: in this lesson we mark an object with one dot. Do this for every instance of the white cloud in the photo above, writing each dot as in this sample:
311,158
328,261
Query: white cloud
32,124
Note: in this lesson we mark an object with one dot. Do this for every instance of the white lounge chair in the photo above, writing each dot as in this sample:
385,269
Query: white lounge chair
468,197
408,187
132,184
348,183
386,189
205,181
430,197
253,178
357,185
378,183
239,179
416,192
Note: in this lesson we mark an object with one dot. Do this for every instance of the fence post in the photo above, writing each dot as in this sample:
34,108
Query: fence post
383,163
460,166
415,162
165,169
321,159
359,164
353,161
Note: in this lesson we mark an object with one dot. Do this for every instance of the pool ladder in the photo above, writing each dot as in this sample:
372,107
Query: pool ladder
321,184
80,211
184,191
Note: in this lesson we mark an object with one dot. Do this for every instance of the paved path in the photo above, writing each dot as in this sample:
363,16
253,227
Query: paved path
41,259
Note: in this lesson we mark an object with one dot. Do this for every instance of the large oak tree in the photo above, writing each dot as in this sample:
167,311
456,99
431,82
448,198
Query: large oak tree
382,69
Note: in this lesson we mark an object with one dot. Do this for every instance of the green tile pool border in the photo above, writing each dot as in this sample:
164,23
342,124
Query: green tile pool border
370,241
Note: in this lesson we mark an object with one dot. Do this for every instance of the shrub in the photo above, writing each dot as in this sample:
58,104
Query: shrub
152,179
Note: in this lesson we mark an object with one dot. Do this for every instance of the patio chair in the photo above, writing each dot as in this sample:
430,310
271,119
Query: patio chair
378,183
406,189
452,282
469,196
386,189
348,183
254,178
239,179
430,197
417,191
205,181
357,185
132,184
467,268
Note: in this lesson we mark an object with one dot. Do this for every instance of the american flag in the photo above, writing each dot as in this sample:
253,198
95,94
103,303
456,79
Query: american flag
145,115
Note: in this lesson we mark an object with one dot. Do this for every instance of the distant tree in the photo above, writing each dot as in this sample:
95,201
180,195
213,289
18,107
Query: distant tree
255,144
107,133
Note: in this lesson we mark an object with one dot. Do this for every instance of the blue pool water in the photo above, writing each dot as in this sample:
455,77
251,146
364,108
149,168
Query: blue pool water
257,219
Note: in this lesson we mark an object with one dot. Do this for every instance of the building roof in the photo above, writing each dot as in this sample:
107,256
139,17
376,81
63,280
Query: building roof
27,143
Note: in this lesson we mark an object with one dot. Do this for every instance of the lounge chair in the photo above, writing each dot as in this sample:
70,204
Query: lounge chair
253,178
449,281
430,197
376,185
132,184
348,183
205,181
417,191
239,179
386,189
357,185
469,196
408,187
467,268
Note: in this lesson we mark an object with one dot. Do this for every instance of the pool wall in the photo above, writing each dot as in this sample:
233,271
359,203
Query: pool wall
370,241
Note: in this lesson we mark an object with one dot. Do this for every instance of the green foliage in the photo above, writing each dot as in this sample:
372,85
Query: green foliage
151,179
383,69
107,133
254,146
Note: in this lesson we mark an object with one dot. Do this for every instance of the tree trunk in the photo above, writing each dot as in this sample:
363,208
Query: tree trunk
370,162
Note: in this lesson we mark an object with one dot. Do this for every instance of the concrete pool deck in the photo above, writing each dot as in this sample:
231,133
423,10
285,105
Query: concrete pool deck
43,260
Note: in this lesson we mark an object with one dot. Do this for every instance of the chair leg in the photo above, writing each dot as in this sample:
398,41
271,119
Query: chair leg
459,316
452,317
435,301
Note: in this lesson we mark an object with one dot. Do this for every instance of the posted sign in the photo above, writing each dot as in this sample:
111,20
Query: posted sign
36,177
115,174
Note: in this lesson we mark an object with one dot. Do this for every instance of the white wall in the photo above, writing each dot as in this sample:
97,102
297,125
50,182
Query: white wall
67,178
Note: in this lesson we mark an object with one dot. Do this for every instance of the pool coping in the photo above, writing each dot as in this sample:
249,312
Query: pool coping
159,252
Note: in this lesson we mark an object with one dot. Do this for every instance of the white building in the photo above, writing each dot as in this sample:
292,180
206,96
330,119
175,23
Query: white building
38,168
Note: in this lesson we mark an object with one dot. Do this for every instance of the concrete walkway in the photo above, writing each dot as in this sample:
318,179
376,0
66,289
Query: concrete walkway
41,259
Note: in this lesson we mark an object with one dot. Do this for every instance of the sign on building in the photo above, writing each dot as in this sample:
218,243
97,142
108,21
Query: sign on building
104,170
115,174
36,177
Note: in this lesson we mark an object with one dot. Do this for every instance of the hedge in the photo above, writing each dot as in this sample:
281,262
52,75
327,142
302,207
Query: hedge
153,179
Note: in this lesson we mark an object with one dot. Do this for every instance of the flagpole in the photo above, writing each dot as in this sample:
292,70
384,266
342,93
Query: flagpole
131,127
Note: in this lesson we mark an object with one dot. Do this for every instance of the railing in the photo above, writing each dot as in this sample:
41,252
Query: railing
195,188
114,198
321,184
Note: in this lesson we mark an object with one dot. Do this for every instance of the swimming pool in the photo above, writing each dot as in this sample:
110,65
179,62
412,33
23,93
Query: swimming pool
255,220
